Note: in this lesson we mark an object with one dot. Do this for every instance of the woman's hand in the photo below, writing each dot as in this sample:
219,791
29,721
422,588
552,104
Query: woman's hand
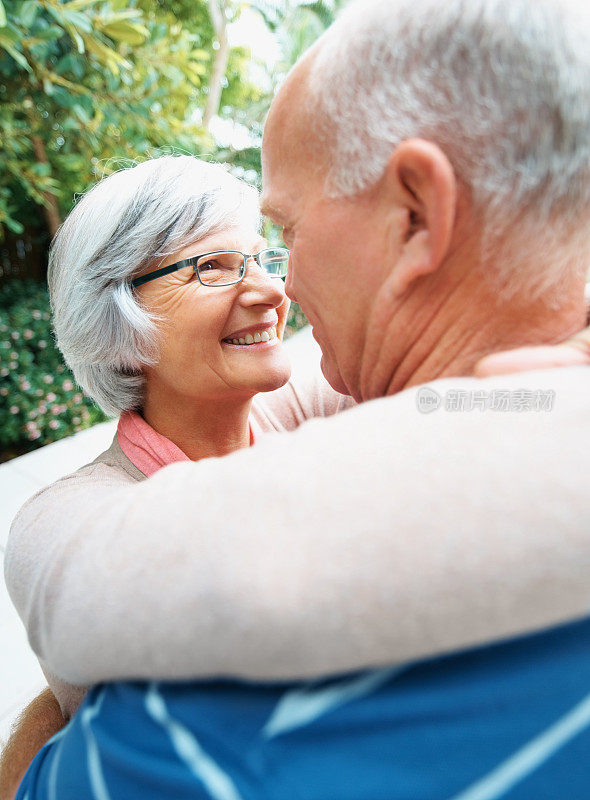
40,720
572,352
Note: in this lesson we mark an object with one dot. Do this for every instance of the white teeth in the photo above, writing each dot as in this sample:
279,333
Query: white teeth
259,336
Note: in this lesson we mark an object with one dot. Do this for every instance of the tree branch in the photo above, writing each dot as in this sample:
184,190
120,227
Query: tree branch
219,20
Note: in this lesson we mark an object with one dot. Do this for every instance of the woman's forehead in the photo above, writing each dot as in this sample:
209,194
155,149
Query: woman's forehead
247,240
243,238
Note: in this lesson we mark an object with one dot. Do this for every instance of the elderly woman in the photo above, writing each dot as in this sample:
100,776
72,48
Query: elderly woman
169,309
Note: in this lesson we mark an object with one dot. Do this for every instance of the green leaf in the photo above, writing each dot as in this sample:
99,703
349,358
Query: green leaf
62,18
2,15
76,37
28,12
63,97
108,56
11,34
78,5
81,114
128,32
13,225
5,44
51,32
79,21
41,169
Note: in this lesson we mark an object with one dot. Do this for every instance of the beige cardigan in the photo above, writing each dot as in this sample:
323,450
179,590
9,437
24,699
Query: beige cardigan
378,535
300,399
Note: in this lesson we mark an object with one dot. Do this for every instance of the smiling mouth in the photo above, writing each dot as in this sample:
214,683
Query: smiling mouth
260,337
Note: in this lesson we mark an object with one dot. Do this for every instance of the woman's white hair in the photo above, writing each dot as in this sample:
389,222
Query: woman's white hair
126,224
503,86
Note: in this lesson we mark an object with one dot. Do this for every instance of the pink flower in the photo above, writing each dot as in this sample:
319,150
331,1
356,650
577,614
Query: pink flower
42,344
51,397
25,385
54,424
28,334
48,378
42,408
76,420
30,426
15,335
36,314
56,410
4,391
77,398
34,435
68,386
14,409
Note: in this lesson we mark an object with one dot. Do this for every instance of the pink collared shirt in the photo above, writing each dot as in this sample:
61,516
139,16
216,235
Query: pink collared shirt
149,450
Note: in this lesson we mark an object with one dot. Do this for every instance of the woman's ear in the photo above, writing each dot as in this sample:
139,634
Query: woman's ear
420,178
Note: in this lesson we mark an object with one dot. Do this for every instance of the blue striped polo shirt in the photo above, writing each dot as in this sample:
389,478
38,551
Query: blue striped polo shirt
510,720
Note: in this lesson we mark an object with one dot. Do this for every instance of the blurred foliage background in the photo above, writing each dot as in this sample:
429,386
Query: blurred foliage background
90,86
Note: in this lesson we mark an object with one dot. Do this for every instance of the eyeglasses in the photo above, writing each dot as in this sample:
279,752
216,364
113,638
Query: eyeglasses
225,267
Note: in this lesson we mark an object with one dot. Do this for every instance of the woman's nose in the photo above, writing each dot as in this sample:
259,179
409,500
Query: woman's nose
258,287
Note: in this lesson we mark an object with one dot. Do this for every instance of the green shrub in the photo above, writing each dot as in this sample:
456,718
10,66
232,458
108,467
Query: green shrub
39,400
295,321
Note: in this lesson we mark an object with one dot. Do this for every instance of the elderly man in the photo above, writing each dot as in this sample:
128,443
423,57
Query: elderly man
429,164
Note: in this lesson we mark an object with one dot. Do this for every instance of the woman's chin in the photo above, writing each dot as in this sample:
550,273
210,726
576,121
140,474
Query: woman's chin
273,378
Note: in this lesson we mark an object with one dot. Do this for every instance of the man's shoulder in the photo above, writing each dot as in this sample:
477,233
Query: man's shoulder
555,378
560,392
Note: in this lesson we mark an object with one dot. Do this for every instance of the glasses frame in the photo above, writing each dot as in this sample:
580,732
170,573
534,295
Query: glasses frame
193,260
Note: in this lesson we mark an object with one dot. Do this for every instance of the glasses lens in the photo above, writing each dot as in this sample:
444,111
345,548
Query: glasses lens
275,261
220,269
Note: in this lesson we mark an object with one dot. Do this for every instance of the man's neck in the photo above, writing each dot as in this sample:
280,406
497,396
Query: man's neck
427,339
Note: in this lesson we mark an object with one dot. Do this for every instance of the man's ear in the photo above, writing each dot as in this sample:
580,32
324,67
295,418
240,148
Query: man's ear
421,179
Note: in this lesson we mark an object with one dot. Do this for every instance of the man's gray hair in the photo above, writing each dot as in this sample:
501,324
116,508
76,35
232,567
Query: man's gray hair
503,86
125,225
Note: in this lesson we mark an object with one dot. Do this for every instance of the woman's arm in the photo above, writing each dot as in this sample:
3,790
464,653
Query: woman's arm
376,536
